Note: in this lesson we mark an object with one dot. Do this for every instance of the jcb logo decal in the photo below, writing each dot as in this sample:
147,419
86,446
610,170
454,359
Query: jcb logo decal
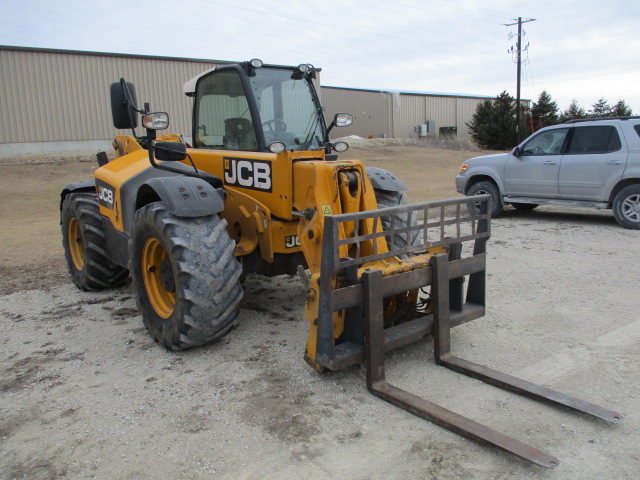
291,241
253,174
106,194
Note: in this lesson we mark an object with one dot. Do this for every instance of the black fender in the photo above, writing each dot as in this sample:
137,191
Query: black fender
381,179
80,186
183,196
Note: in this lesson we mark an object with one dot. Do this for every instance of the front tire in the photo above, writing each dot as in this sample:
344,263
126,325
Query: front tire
85,244
185,277
626,207
484,188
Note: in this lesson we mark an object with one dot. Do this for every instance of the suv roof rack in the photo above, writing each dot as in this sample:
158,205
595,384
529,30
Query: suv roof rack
580,120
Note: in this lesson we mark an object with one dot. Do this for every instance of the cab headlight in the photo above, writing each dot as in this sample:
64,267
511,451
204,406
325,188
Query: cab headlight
156,120
340,147
276,147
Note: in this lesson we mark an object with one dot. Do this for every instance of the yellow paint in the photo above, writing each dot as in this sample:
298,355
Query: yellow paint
305,188
115,173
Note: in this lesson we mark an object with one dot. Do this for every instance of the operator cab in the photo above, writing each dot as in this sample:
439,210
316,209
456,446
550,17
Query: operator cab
253,107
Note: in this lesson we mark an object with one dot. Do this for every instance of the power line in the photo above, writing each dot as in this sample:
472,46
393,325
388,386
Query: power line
527,63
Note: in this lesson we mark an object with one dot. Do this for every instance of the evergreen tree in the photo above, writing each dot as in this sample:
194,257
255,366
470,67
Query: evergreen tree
600,109
574,112
621,109
481,124
545,111
493,125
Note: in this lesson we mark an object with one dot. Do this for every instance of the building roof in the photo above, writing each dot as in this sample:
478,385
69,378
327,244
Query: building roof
414,92
109,54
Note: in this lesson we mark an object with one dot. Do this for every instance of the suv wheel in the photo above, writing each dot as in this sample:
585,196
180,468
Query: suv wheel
626,207
484,188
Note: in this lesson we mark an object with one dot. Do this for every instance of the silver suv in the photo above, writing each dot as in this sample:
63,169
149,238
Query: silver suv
582,163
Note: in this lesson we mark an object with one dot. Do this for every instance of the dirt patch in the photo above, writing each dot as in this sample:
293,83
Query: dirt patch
86,393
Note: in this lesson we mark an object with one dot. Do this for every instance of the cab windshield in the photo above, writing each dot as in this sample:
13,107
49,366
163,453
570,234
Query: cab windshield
287,109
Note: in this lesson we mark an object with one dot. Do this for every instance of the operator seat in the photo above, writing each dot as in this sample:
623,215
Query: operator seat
239,134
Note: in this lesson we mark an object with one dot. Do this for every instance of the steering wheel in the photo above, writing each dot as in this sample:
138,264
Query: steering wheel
538,150
275,125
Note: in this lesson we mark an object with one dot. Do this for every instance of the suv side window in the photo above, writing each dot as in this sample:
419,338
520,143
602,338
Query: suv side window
637,129
546,143
602,139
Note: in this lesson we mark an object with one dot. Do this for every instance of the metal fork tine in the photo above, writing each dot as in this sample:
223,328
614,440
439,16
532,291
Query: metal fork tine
377,384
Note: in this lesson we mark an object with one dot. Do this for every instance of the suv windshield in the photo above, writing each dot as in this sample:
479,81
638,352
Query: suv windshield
287,109
546,143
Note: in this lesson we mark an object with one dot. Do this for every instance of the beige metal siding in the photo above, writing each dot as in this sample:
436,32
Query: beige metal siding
371,111
53,96
408,111
466,107
442,110
397,114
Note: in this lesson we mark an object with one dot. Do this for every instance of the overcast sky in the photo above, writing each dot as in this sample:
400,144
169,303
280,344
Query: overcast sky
583,49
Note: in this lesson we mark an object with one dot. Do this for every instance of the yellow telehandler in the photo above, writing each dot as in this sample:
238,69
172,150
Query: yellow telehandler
261,190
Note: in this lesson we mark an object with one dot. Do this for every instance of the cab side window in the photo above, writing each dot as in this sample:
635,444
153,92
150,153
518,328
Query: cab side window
222,115
546,143
602,139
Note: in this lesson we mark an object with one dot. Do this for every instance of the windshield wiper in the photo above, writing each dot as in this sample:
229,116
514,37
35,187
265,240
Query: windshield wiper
312,130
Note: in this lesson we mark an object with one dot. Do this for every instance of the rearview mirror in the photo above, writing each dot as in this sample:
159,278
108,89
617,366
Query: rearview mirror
340,120
170,151
343,119
123,105
516,152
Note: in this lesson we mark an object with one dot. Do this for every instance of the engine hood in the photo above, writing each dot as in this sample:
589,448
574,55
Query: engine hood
495,159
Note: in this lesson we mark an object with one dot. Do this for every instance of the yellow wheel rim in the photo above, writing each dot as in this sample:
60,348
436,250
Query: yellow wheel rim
162,300
76,247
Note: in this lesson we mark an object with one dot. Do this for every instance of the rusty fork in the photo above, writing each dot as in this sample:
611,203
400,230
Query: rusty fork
376,383
443,223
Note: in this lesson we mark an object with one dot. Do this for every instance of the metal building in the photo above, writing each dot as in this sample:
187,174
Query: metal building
381,113
58,100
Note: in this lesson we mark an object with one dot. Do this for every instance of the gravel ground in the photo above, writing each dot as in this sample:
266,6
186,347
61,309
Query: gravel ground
85,392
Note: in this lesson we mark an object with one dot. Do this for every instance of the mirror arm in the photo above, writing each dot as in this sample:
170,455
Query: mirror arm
166,168
331,125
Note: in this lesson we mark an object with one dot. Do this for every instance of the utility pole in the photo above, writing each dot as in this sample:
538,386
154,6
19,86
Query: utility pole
519,62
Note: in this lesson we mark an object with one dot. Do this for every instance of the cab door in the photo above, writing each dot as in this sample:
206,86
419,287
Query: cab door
535,171
593,163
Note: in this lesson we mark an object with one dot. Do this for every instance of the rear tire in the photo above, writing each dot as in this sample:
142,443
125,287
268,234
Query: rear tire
524,207
483,188
185,276
386,199
626,207
85,244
